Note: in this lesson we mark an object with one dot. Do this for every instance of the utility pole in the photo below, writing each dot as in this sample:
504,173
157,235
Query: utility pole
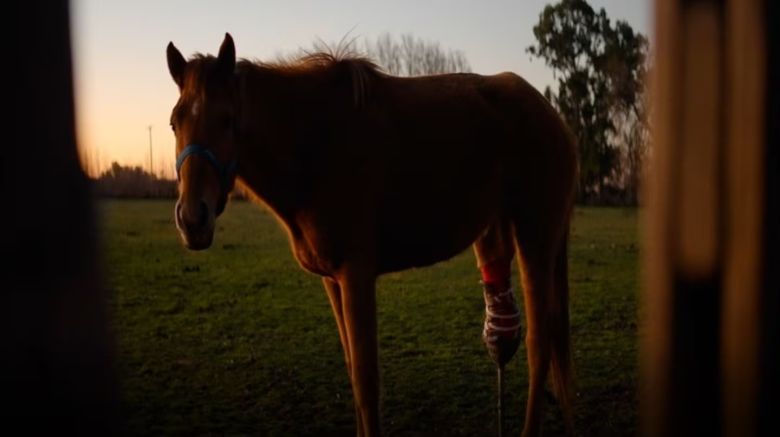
151,166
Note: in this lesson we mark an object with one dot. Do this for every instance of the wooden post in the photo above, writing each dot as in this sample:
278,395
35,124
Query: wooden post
56,365
704,321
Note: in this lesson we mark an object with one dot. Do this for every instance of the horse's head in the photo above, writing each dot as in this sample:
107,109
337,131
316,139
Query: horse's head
203,121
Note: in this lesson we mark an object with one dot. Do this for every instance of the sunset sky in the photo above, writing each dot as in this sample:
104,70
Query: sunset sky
122,82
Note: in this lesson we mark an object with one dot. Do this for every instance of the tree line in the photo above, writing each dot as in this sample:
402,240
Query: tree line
132,182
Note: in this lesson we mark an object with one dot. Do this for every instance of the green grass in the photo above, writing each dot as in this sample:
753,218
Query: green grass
238,340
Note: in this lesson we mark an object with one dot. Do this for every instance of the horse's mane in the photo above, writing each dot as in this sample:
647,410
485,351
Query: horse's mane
361,70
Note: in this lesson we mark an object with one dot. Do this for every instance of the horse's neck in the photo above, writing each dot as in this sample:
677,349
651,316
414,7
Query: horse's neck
274,183
267,161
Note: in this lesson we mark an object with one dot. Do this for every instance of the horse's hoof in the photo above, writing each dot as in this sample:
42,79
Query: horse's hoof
501,331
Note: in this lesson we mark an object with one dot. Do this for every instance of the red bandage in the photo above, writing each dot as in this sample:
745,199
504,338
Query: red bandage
497,272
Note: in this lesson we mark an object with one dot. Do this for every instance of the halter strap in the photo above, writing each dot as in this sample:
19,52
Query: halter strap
223,172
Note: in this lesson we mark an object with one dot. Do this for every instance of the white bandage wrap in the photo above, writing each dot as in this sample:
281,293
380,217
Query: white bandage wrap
505,299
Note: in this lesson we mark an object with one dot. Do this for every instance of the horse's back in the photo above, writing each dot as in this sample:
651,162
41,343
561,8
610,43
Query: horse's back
470,119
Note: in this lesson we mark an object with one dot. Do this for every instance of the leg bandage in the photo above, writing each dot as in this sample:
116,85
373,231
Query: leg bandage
501,331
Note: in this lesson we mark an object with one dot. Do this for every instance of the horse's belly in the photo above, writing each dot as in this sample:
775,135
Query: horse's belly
427,237
400,254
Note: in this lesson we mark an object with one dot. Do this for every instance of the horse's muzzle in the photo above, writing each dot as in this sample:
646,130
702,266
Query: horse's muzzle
196,224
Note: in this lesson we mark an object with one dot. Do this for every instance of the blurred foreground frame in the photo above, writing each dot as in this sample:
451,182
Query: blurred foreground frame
56,366
711,285
709,346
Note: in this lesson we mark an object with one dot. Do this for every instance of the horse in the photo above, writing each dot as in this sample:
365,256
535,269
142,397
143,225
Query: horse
370,173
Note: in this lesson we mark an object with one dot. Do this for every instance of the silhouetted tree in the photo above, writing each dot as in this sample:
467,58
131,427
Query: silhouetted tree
600,68
126,181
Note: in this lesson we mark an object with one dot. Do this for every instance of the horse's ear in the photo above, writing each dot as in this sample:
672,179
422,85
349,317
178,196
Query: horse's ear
176,64
227,55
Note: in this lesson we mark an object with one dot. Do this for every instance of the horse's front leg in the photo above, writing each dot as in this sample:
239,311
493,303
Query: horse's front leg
334,295
358,299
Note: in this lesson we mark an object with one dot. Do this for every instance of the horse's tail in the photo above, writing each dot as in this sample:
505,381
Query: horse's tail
558,312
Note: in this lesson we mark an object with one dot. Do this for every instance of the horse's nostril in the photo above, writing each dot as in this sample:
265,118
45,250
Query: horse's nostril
177,213
204,214
192,219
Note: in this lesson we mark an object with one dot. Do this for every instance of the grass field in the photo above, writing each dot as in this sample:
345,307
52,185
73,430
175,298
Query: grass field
238,340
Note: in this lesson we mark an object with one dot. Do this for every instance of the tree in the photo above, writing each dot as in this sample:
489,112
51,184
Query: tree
631,104
414,56
127,181
600,68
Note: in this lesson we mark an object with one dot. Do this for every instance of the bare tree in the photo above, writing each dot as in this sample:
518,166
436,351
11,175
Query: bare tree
411,56
404,56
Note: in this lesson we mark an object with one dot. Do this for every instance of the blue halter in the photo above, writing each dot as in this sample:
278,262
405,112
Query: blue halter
223,172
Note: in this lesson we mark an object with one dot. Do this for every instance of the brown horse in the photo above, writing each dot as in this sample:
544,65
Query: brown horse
372,174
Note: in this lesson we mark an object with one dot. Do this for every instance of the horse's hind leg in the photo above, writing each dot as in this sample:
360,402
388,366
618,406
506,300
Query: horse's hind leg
494,250
539,244
536,273
496,245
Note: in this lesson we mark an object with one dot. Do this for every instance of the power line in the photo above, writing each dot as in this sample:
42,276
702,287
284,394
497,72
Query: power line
151,166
